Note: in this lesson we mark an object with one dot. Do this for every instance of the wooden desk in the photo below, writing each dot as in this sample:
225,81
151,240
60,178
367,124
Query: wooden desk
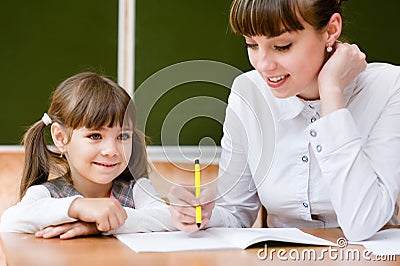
25,249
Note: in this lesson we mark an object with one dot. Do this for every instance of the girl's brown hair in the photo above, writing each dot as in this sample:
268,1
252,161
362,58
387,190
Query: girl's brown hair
83,100
270,17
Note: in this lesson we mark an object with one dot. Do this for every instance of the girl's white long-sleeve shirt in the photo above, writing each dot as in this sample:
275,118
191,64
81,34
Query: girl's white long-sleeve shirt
38,209
342,169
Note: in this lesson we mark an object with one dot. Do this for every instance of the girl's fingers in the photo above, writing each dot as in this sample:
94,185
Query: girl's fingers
103,224
52,231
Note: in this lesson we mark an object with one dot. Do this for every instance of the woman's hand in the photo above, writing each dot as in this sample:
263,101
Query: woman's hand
68,230
108,214
183,204
343,66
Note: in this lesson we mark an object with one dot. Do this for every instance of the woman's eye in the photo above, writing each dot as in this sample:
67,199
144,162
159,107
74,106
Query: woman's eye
124,136
250,46
282,48
94,136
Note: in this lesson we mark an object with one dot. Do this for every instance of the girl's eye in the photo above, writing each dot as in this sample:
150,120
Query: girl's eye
250,46
282,48
124,136
95,136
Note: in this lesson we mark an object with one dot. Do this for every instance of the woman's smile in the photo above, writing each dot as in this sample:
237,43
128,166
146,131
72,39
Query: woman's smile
276,81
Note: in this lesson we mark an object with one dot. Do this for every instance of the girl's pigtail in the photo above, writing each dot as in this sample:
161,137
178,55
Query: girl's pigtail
38,158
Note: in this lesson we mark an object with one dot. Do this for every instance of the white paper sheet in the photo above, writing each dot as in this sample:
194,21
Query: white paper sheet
215,239
385,242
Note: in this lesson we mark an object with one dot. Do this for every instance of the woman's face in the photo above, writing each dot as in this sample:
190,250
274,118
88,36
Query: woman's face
290,62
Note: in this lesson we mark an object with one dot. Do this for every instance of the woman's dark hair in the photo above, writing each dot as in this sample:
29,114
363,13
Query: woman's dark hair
270,17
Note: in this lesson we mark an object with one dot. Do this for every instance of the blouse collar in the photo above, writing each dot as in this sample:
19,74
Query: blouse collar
293,106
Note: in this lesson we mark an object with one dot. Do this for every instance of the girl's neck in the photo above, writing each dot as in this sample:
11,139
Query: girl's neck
92,190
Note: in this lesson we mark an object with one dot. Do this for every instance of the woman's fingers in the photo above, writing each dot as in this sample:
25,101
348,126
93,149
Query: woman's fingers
183,203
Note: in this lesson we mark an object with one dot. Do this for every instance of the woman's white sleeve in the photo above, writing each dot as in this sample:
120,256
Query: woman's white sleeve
237,202
364,179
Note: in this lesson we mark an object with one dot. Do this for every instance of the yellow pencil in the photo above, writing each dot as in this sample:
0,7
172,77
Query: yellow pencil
197,189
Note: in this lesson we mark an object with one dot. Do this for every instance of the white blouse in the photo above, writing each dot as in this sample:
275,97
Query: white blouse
38,209
342,169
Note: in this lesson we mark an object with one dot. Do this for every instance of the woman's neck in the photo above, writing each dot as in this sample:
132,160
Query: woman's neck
311,93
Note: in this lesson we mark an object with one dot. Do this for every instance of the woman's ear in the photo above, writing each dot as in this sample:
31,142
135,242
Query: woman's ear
334,29
59,136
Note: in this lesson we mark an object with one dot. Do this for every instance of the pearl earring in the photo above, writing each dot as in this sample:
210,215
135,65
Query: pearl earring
329,48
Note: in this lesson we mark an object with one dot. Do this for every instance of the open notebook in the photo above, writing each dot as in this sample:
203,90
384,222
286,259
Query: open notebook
385,242
215,239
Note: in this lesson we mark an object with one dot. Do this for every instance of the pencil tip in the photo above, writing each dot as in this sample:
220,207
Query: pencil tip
198,225
197,161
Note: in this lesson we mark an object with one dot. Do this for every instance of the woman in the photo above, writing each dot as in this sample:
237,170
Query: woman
333,156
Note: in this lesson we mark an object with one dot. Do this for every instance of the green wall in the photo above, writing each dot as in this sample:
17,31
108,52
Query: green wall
42,43
170,32
45,41
375,27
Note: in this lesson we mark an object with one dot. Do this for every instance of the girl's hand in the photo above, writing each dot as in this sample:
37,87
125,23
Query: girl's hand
68,230
108,214
183,204
344,65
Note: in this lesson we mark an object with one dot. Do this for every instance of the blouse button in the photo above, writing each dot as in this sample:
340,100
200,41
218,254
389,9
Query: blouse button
313,133
319,148
304,158
305,204
313,119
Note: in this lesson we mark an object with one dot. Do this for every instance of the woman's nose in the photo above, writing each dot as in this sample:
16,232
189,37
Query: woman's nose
262,60
266,63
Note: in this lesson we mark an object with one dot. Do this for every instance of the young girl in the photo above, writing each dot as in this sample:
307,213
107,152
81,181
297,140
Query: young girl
100,165
312,134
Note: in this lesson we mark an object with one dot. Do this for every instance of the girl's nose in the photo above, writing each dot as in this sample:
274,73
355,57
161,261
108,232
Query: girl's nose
109,148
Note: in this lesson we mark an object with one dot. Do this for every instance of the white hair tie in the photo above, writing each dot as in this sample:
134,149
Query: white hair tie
46,119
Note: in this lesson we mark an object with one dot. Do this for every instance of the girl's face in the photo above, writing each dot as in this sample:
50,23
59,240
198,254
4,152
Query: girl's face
98,156
290,62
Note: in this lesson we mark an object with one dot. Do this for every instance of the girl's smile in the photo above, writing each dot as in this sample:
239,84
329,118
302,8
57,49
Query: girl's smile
107,165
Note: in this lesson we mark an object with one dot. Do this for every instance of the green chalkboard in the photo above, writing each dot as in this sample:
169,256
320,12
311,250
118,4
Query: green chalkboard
185,58
42,43
374,27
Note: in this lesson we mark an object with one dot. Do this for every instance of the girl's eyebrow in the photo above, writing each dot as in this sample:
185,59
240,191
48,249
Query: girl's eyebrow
94,128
